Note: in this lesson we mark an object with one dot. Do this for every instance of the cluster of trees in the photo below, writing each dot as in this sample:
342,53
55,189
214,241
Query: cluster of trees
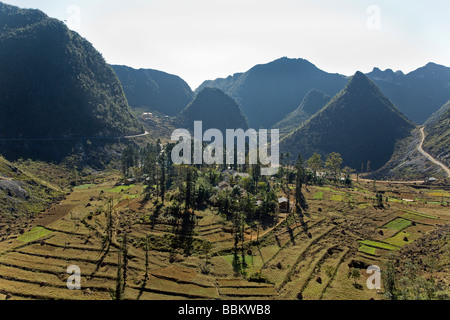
252,196
196,186
332,166
410,285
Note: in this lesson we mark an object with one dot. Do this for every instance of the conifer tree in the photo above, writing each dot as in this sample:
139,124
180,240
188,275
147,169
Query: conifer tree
300,201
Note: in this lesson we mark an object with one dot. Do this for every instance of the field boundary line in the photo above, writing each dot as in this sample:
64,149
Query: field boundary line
302,254
288,243
330,280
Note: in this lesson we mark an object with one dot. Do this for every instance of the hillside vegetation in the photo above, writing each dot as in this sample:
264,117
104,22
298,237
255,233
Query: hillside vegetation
22,195
437,140
54,83
407,163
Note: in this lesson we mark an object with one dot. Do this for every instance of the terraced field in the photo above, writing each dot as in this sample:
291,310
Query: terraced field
298,257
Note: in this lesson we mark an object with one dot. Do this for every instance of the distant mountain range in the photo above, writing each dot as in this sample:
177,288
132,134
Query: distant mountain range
54,84
417,94
154,90
360,123
268,92
215,109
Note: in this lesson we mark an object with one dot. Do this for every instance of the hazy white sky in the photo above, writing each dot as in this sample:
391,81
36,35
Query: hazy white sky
206,39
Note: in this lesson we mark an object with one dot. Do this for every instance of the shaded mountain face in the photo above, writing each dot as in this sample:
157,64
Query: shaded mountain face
438,115
437,129
311,104
54,84
267,93
360,123
216,109
154,90
417,94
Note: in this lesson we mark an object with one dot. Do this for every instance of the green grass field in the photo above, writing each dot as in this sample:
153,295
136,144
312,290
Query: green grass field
378,244
366,249
34,234
329,189
84,186
119,189
423,215
318,196
437,202
397,224
336,197
399,239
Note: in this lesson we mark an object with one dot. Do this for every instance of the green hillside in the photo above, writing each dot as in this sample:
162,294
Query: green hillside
22,194
216,110
154,90
360,123
437,129
54,84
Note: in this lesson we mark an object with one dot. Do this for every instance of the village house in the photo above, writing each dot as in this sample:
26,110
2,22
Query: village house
147,116
283,204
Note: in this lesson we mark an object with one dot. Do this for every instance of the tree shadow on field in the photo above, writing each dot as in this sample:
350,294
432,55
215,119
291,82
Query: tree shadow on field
141,290
291,234
104,252
184,232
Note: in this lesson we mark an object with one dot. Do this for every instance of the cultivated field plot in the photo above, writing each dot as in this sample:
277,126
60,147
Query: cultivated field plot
297,257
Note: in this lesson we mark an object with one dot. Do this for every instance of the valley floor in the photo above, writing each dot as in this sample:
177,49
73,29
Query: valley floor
307,257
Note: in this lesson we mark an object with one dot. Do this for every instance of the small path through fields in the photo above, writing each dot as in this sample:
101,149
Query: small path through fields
428,156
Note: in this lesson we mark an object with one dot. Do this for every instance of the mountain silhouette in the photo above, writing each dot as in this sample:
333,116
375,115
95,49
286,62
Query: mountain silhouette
268,92
216,110
54,84
153,90
360,123
417,94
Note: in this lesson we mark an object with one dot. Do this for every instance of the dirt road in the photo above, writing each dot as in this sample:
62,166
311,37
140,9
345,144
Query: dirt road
138,135
428,156
77,138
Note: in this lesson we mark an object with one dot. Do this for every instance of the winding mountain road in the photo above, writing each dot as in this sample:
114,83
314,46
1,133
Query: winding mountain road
146,133
428,156
77,138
